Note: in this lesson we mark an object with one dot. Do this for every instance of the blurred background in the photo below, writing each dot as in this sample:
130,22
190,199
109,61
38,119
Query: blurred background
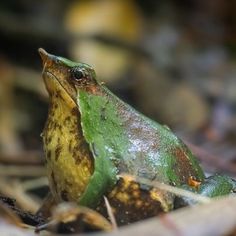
175,61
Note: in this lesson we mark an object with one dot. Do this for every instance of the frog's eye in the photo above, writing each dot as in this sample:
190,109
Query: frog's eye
77,74
57,60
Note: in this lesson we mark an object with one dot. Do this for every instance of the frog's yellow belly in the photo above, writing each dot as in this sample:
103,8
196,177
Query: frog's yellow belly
68,159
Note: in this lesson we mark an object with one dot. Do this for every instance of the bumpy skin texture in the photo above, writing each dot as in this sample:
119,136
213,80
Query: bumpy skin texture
91,137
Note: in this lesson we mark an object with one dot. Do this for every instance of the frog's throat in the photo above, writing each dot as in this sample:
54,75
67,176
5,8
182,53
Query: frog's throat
48,76
69,159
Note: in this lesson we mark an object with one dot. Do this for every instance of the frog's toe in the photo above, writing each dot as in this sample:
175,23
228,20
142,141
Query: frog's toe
217,185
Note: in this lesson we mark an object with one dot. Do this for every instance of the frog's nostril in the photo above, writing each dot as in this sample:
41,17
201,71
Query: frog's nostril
43,54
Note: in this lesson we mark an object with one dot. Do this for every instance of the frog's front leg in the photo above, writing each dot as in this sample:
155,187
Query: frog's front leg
132,201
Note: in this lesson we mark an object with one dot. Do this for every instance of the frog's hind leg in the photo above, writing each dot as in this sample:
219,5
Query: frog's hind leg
132,201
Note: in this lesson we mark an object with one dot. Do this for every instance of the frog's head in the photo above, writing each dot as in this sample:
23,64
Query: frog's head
64,77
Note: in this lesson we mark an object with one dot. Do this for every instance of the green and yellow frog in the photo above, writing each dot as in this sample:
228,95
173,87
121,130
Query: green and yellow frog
91,138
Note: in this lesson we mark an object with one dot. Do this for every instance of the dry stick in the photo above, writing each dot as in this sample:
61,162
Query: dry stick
14,191
45,226
28,185
171,189
214,219
22,171
23,158
110,214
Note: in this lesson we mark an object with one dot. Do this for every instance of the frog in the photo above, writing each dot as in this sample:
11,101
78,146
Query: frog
96,145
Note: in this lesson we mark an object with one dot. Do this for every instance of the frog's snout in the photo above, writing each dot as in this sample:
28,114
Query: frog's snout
48,59
43,54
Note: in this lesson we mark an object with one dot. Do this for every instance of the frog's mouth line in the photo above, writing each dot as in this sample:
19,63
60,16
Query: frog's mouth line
50,75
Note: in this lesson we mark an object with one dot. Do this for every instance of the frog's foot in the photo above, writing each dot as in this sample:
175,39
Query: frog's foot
213,186
132,201
217,185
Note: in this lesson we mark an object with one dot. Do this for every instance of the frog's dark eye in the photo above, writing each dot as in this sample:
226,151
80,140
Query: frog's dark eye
77,74
57,60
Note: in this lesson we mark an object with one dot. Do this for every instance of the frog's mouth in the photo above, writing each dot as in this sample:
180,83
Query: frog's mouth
56,88
56,83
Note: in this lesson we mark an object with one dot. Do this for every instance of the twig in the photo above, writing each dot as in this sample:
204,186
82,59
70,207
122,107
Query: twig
22,171
177,191
214,219
110,213
16,192
34,183
23,158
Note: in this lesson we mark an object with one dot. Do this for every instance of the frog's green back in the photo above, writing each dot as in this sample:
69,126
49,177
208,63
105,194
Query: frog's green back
125,141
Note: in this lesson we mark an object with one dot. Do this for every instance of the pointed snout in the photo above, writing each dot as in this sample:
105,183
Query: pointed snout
47,58
43,54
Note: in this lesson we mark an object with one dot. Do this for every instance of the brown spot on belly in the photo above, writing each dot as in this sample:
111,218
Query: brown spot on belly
64,195
58,151
74,111
54,182
58,94
49,139
70,146
67,120
49,154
